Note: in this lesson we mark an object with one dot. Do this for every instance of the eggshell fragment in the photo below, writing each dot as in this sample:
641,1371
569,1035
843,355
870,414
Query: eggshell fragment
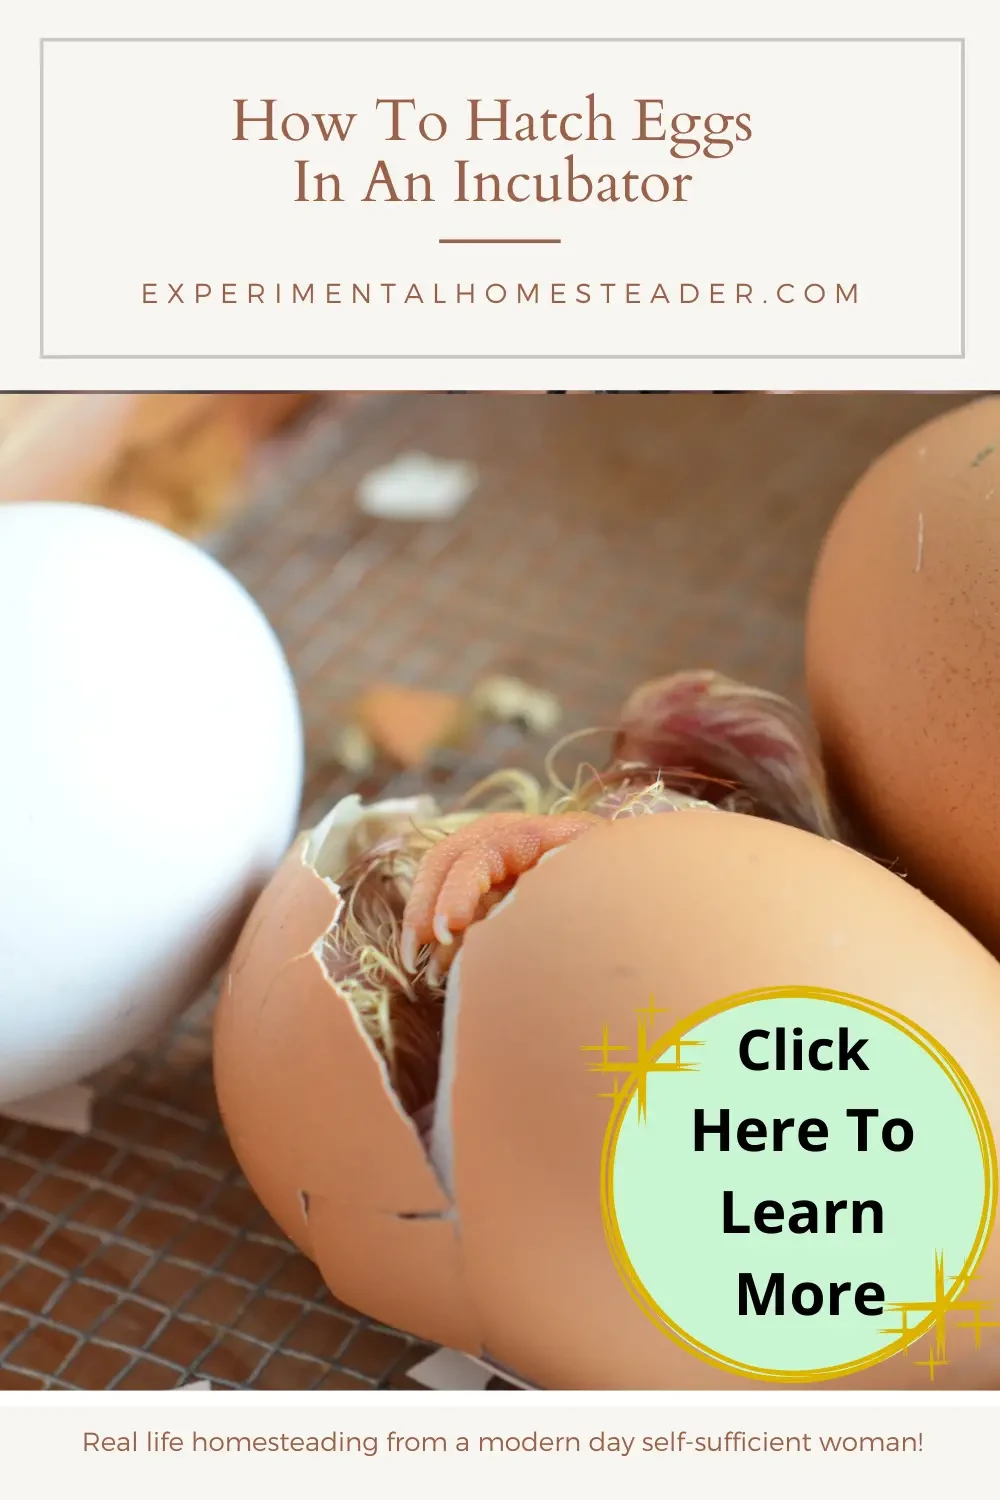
314,1077
688,910
409,724
70,1108
311,1116
903,660
417,487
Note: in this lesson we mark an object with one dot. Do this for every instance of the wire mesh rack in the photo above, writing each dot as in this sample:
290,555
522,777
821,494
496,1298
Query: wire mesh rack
611,538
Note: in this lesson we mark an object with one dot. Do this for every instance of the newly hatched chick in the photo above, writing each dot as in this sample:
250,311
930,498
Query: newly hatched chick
695,740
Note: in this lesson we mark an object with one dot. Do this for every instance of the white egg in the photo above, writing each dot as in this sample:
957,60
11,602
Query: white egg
150,776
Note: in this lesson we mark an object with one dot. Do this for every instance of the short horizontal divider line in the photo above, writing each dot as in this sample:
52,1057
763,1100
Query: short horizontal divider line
498,242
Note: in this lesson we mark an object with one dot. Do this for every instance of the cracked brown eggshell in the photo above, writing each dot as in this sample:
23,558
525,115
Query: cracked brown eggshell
903,660
689,908
312,1119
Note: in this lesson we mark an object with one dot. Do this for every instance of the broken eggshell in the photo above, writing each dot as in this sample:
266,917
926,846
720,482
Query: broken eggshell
489,1238
417,487
310,1111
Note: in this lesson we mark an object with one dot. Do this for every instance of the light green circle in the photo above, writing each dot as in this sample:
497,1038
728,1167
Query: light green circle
667,1199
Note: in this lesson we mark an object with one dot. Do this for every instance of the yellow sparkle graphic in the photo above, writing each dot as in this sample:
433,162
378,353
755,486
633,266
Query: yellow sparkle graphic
941,1311
648,1059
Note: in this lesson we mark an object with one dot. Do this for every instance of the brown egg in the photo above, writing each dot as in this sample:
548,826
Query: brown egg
491,1238
903,659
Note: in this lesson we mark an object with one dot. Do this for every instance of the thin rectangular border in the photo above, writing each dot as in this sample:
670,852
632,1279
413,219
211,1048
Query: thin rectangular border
543,41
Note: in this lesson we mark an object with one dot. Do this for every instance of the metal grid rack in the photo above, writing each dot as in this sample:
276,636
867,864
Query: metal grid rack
612,538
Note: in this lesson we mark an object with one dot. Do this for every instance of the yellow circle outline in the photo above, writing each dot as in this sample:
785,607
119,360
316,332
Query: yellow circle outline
914,1033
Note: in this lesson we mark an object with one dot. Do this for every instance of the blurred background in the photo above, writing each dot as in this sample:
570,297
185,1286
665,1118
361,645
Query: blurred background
458,580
